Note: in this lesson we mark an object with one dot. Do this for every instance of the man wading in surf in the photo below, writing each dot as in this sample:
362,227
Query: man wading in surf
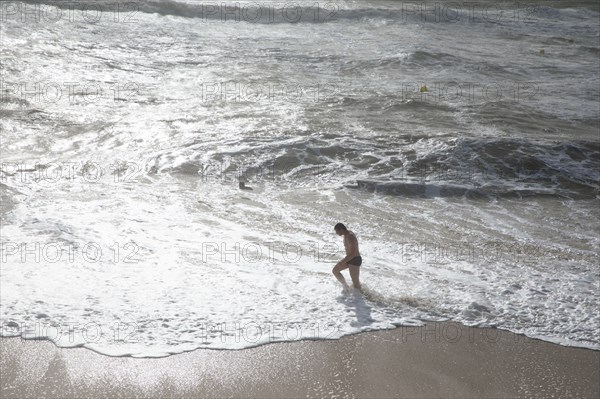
352,259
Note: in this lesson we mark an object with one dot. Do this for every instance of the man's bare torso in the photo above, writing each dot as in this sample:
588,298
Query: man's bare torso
351,244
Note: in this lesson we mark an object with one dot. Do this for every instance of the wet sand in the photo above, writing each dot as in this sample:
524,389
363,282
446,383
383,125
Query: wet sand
440,360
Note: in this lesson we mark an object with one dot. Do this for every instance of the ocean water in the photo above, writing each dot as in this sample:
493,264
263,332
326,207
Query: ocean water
459,142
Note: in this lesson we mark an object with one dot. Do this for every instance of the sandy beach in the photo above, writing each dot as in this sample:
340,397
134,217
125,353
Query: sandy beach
440,360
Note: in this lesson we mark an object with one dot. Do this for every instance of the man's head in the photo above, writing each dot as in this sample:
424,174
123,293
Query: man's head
340,229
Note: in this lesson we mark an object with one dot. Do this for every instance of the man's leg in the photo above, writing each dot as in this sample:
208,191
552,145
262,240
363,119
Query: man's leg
355,273
336,272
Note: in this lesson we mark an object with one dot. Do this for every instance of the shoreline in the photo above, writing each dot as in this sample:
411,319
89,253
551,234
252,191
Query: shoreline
440,359
405,330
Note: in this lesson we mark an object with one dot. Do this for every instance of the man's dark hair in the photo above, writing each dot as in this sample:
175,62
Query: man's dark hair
340,226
